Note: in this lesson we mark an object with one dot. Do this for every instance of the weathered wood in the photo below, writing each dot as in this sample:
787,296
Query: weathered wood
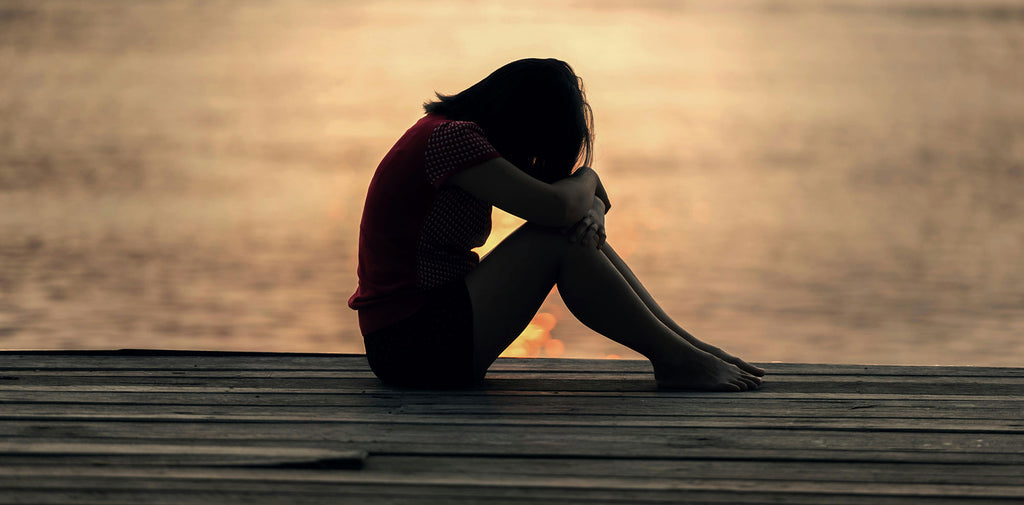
205,493
376,419
49,453
807,455
578,411
669,403
188,427
919,473
433,496
325,378
557,441
628,383
344,396
257,479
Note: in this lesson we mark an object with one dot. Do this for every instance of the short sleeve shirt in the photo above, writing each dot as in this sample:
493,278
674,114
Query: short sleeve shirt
416,232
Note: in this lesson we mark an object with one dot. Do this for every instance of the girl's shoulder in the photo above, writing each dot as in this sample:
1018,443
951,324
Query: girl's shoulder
453,146
433,130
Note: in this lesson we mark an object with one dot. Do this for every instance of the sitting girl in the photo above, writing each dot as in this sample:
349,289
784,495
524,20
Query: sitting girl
435,315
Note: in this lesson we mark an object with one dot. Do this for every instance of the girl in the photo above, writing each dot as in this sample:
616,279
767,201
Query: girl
432,313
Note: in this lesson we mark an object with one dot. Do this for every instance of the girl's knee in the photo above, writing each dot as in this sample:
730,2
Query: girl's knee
543,236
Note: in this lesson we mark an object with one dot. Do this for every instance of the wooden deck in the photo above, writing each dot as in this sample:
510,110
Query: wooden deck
223,428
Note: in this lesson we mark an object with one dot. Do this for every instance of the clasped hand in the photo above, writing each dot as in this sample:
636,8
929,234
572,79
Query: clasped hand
589,231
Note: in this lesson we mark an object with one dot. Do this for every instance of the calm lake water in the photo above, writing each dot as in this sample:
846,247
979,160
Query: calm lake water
817,181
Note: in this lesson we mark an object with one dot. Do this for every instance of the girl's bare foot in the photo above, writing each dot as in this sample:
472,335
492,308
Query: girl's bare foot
718,353
704,372
729,358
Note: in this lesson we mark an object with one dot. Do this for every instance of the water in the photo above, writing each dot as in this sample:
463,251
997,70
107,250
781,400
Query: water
794,180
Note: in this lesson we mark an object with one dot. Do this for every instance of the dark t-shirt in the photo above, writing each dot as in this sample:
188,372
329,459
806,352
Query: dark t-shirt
417,234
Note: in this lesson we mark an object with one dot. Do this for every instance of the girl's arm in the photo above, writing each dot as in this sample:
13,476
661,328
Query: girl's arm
503,185
603,195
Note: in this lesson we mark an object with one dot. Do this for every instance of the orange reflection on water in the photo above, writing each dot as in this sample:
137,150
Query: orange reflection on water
782,186
535,339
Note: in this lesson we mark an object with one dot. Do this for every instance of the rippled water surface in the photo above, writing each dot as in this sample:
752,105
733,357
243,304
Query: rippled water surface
817,181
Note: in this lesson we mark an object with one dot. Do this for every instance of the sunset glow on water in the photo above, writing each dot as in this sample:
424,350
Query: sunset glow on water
811,181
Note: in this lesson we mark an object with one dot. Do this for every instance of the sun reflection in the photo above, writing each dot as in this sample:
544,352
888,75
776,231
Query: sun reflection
502,224
535,339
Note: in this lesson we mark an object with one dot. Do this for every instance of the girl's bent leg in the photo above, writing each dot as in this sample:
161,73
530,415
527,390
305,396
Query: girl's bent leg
509,285
507,288
667,320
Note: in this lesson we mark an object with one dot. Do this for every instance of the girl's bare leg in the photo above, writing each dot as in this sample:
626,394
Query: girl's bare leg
510,284
662,316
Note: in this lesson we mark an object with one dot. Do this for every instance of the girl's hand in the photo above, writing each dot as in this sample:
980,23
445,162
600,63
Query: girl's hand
590,230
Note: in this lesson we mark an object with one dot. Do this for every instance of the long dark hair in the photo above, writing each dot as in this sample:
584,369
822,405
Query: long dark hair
533,111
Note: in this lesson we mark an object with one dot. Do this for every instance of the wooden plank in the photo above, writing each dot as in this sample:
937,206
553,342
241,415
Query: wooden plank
536,430
621,442
227,378
869,473
412,495
1013,426
115,454
582,410
49,453
132,374
241,395
594,365
301,496
65,454
761,402
184,360
980,390
698,446
499,473
280,481
432,496
365,381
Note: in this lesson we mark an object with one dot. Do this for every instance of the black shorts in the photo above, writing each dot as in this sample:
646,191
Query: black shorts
431,348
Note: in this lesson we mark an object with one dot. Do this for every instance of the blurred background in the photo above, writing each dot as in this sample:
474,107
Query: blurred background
795,180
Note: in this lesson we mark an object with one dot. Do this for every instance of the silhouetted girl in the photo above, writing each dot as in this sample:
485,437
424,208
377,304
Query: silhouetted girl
432,313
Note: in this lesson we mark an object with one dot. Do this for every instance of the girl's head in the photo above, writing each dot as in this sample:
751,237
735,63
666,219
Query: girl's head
534,113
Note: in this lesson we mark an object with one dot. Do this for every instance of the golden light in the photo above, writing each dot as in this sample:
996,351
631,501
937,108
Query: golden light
536,338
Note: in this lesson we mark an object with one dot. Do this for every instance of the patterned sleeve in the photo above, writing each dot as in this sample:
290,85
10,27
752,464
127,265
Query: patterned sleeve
454,146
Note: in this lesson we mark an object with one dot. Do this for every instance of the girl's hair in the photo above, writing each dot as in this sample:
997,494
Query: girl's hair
533,111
